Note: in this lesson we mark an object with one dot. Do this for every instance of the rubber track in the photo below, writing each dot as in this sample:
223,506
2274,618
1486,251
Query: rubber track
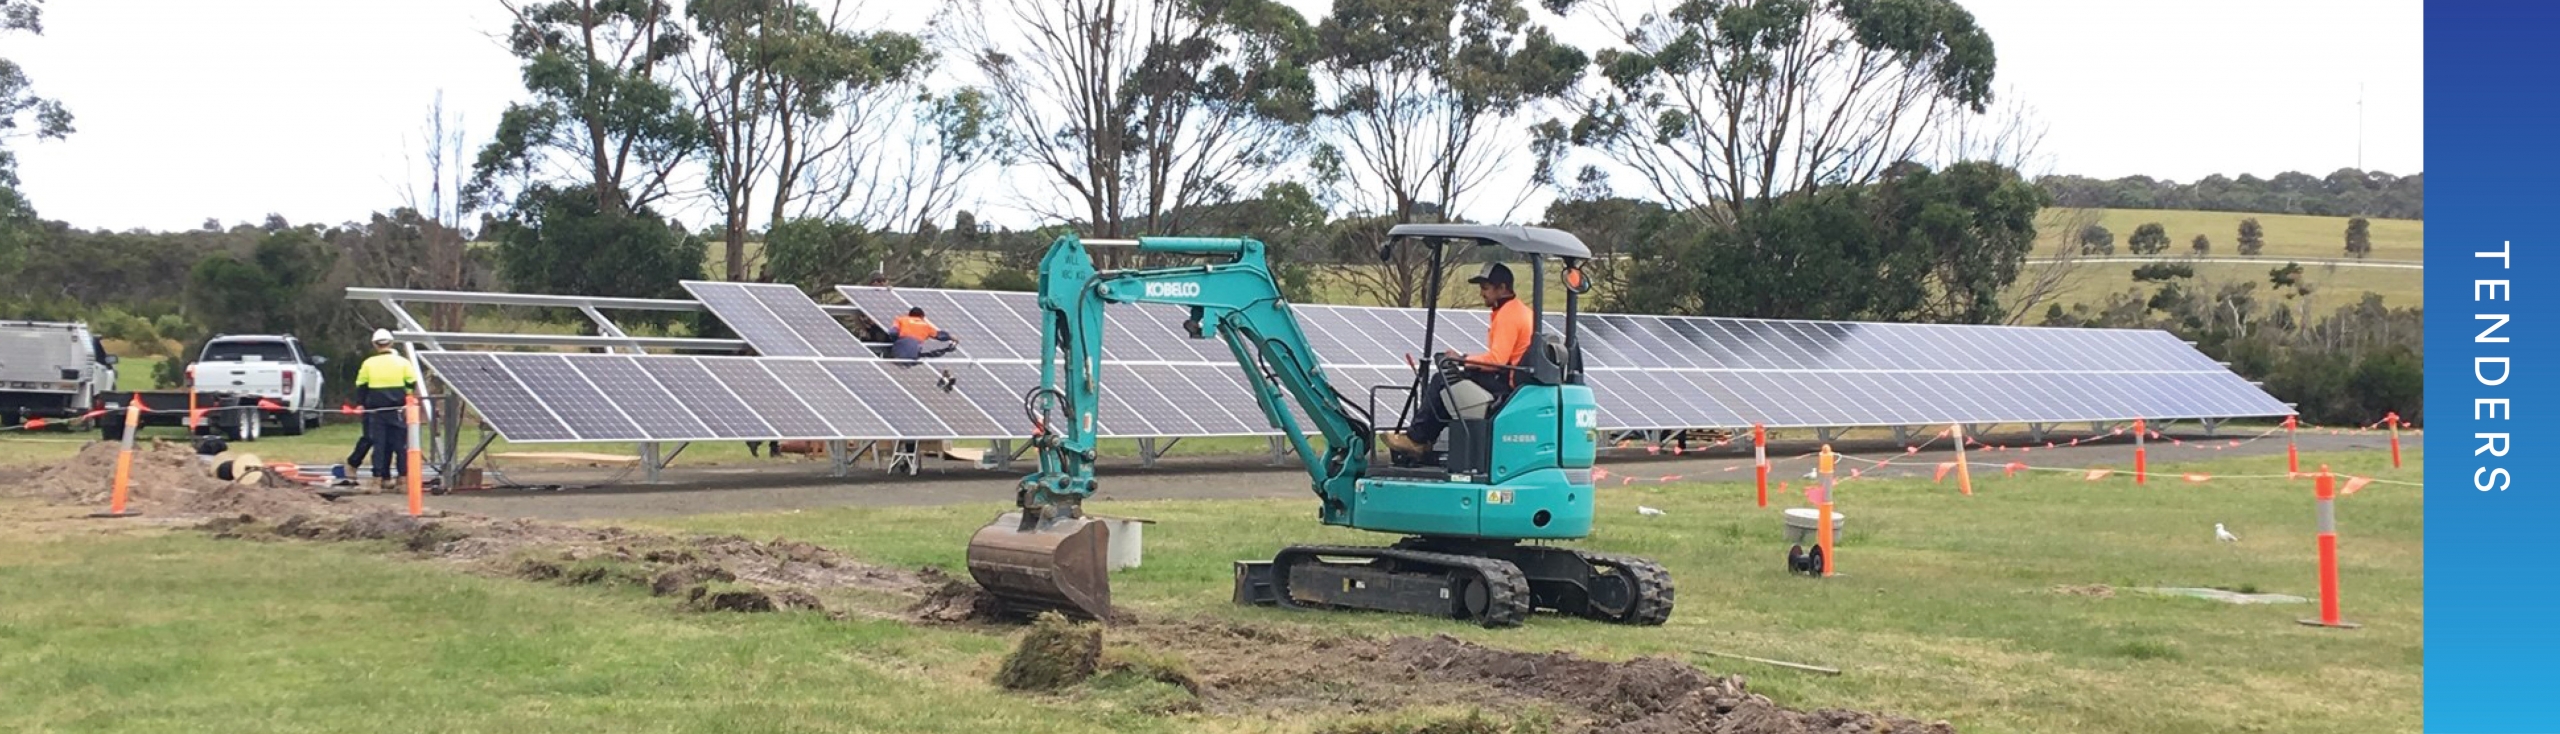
1653,587
1509,605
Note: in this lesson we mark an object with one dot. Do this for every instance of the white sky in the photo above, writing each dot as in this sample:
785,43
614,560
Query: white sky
313,109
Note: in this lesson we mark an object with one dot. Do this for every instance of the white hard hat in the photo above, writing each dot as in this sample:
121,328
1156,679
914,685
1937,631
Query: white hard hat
382,336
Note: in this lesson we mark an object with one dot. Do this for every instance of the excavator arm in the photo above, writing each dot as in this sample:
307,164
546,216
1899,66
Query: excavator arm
1047,553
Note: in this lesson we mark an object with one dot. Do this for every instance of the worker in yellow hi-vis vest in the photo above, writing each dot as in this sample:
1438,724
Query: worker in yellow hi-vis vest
383,385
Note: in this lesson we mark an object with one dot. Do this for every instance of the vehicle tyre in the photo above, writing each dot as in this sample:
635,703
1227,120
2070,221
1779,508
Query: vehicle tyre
292,424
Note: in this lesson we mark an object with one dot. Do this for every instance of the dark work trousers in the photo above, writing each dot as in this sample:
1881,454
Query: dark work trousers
906,348
1434,415
364,446
387,427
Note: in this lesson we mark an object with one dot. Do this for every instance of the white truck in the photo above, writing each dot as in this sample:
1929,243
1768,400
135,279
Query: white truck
51,370
241,385
273,367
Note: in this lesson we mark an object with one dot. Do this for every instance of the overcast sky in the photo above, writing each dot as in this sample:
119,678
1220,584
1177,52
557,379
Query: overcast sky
313,109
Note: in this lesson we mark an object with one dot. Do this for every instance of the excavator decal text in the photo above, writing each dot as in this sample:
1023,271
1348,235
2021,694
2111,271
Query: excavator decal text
1173,290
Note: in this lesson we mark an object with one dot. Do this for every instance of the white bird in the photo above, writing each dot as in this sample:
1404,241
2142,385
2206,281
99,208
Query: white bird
1647,511
1813,473
2224,535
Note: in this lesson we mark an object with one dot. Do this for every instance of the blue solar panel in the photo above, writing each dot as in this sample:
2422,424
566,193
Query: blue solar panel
497,396
751,319
567,393
722,414
621,381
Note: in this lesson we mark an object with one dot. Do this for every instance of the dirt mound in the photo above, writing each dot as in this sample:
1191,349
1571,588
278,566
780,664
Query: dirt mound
162,473
714,573
1242,669
1640,696
166,478
958,601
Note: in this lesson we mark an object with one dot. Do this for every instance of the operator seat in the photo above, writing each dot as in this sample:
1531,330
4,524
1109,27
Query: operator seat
1472,409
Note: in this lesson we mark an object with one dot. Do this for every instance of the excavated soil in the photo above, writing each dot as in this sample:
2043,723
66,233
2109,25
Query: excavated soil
702,573
1239,669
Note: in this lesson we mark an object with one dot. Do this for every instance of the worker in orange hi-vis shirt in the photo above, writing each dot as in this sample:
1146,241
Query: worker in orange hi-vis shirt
912,331
1504,346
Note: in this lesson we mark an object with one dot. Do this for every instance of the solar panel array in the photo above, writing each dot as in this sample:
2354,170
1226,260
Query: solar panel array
1670,373
778,320
815,381
537,398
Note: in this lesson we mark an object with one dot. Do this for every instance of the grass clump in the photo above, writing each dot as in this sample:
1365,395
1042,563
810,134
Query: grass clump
1053,655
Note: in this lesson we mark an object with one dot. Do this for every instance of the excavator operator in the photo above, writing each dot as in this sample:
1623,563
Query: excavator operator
1504,346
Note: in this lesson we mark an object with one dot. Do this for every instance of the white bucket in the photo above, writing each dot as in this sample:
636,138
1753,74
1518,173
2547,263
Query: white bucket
1801,525
1128,540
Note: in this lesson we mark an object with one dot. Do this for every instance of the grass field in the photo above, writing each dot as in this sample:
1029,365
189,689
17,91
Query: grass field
2334,286
2288,235
1946,607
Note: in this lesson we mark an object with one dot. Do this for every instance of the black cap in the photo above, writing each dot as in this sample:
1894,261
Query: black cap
1493,273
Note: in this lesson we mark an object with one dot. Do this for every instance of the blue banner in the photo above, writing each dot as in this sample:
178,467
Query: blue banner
2492,591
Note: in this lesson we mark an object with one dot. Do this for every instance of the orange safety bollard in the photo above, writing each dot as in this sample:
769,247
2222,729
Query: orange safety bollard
117,493
2292,451
417,485
1760,459
2394,419
1822,539
2139,473
1964,467
2325,491
1828,464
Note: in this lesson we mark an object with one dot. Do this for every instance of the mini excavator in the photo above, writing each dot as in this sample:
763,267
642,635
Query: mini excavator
1478,512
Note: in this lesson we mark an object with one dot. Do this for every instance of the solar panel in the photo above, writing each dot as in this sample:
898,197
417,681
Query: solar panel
961,417
906,417
777,405
778,320
722,414
569,395
805,318
497,396
750,318
655,411
838,406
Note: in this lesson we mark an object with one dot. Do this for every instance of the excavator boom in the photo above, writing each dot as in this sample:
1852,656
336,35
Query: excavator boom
1047,555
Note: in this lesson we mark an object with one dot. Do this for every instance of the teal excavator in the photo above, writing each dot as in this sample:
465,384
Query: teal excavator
1478,515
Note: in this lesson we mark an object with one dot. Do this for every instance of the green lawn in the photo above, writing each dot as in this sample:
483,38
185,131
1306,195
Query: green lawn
186,633
1945,609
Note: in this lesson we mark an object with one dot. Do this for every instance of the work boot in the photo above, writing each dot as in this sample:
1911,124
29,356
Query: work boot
1403,444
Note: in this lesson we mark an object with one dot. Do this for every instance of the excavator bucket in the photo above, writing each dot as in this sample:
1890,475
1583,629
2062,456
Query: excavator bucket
1054,564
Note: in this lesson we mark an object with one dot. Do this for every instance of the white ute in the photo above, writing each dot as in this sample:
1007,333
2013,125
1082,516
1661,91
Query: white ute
51,370
273,367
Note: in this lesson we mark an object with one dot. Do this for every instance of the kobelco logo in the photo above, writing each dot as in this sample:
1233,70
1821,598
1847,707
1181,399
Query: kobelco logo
1173,290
